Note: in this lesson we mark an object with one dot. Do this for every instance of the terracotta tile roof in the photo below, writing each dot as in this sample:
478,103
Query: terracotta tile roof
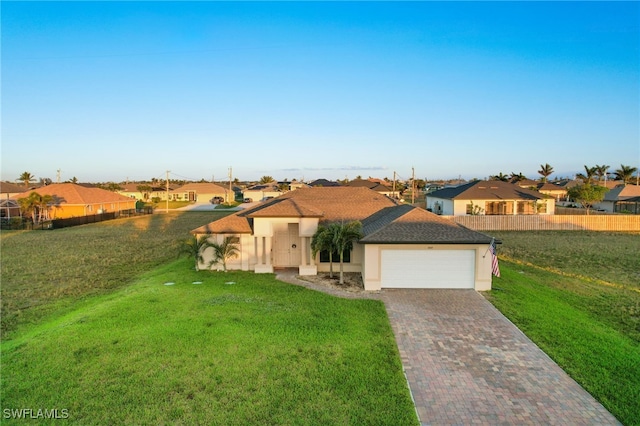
622,192
286,208
341,203
487,190
70,193
232,224
11,188
330,204
202,188
406,224
548,186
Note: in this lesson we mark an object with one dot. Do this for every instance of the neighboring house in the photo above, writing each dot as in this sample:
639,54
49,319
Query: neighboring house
324,183
146,191
9,209
375,186
202,192
525,183
10,190
630,205
614,200
262,191
552,190
403,246
488,198
72,200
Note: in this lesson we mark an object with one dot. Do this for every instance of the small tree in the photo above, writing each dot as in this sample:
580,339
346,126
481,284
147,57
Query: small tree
35,206
194,247
224,251
587,194
323,240
343,238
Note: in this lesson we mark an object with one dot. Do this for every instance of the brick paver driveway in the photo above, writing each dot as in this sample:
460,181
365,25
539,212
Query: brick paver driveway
467,364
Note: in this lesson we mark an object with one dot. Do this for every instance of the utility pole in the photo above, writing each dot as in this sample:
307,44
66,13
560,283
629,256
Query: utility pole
168,191
230,190
393,191
413,185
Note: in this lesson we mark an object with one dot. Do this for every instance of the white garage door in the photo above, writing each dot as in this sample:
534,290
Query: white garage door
428,268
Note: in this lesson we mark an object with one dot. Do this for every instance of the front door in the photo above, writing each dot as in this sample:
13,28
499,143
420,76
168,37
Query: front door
286,245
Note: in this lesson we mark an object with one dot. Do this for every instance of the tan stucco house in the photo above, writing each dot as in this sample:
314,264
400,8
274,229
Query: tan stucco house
403,246
202,192
491,197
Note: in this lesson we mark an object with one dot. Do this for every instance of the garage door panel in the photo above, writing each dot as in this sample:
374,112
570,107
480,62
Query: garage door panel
428,268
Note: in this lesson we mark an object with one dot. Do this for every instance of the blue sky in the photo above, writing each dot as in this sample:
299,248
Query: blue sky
110,91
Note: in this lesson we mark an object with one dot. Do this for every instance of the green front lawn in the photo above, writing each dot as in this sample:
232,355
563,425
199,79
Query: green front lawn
238,349
574,294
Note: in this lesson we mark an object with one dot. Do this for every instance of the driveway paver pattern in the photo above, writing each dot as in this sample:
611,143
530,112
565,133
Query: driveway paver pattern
467,364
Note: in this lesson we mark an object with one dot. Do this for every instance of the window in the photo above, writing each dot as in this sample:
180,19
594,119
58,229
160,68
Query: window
526,207
498,207
324,256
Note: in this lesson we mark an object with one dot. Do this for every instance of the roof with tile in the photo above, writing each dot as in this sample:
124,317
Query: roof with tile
487,190
71,193
622,192
330,204
202,188
407,224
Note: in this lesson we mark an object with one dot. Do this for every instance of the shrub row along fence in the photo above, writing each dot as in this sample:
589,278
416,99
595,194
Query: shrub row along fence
621,223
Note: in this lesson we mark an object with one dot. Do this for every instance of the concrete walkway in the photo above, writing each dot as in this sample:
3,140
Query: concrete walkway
467,364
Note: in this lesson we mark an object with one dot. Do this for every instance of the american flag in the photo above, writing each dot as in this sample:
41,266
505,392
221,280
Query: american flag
495,269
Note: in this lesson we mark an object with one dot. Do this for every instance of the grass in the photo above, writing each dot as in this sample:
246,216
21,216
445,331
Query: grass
574,295
89,326
606,256
254,352
48,271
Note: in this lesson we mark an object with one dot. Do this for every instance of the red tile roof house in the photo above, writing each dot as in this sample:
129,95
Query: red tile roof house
489,198
403,246
71,200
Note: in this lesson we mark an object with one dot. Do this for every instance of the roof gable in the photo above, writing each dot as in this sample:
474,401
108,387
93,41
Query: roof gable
487,190
71,193
407,224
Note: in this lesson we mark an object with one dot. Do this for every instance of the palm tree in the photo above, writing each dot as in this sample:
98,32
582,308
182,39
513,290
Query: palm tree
26,178
625,173
501,177
601,171
35,206
225,250
516,177
545,171
344,236
194,247
322,240
266,179
587,177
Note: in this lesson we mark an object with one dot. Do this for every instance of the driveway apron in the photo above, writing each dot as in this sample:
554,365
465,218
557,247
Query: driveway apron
468,364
